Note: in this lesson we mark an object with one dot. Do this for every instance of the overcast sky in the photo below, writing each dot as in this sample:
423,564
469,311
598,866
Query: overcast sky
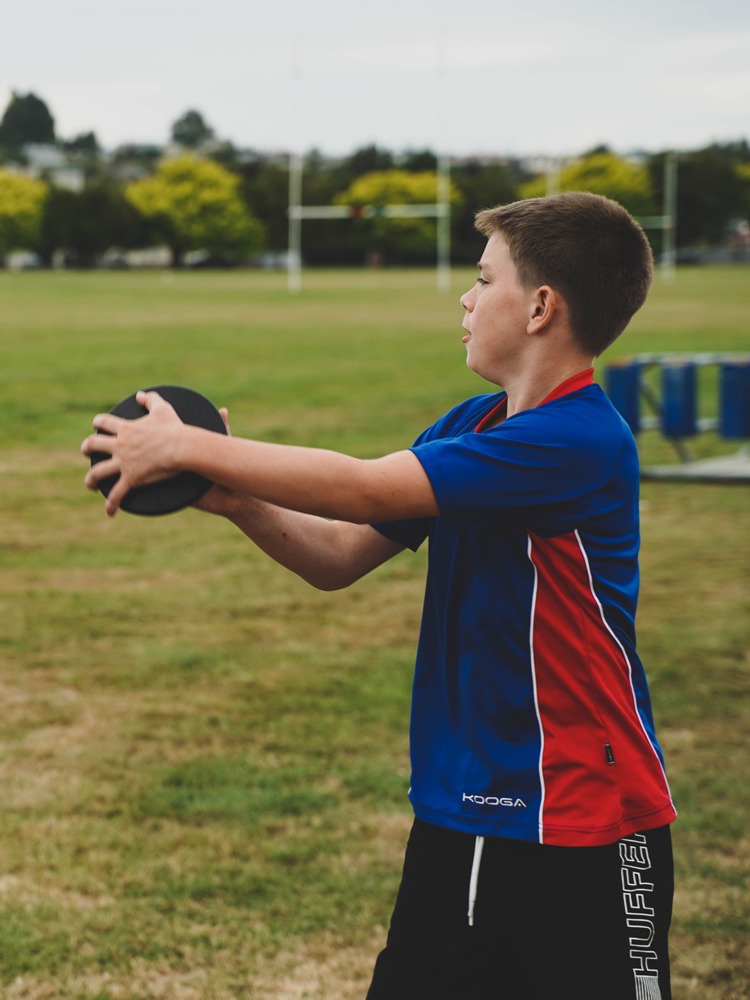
506,78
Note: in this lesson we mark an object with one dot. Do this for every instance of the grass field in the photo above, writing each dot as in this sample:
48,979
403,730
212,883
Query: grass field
203,762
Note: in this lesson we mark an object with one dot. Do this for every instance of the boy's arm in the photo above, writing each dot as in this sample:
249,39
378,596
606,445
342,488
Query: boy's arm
328,555
309,480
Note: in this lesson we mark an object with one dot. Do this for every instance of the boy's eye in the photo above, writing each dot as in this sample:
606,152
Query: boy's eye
482,281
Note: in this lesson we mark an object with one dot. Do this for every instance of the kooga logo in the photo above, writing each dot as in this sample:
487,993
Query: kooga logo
493,800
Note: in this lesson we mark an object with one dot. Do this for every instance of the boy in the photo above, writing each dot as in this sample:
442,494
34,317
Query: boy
539,861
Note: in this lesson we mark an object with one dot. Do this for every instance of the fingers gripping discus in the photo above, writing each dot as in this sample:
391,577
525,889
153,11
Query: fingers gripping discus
184,489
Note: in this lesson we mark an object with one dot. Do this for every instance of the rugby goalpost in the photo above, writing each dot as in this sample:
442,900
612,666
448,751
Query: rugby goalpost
667,221
298,212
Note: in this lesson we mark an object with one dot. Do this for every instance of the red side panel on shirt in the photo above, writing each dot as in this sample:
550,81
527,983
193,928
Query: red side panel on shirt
599,770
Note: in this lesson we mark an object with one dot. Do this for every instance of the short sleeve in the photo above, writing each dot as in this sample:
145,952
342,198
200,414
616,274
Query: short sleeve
410,533
539,462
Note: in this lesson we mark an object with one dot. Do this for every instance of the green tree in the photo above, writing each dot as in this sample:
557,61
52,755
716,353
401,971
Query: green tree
710,192
264,186
84,224
742,170
195,204
408,240
21,206
26,119
141,158
190,130
335,241
85,144
418,160
367,160
482,185
605,173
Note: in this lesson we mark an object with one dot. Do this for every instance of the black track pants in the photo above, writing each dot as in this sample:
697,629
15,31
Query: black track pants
585,922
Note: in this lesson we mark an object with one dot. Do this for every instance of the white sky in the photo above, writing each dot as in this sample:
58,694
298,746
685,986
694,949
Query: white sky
515,78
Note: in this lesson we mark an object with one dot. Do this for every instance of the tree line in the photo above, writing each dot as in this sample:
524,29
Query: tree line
201,193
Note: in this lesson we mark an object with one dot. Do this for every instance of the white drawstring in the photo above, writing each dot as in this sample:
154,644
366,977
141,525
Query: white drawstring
473,881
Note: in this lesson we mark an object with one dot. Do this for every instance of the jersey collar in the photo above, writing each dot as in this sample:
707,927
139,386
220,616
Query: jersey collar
572,384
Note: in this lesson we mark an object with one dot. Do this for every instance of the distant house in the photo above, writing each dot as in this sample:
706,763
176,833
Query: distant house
54,165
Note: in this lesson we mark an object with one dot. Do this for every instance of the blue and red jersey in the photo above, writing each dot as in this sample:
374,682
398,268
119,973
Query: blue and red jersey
531,715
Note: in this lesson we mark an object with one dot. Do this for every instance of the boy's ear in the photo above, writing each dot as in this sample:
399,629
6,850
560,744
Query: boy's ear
544,306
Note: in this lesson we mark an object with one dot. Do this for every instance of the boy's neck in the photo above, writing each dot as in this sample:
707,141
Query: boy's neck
526,393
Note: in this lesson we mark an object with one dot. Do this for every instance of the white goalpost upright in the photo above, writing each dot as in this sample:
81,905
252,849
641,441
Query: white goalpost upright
294,252
298,212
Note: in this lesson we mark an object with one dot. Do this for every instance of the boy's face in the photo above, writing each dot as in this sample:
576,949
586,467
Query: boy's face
497,312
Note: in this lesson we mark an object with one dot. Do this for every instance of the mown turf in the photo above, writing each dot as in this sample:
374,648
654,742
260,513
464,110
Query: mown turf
203,762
